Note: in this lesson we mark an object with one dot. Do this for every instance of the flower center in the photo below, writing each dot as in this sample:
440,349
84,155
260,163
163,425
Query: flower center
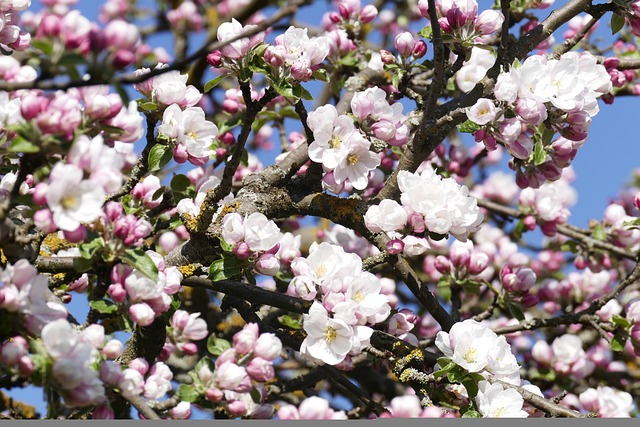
352,159
358,297
69,202
192,135
471,355
497,413
321,270
335,142
330,334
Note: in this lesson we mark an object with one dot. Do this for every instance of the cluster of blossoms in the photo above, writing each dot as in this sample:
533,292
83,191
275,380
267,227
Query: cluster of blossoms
345,300
76,188
341,149
11,36
237,370
75,354
565,356
24,292
408,406
149,298
549,204
429,203
119,43
257,237
131,382
311,408
185,17
460,18
564,90
183,330
477,349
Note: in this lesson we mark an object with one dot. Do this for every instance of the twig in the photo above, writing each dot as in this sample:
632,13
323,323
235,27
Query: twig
565,229
437,82
142,407
254,294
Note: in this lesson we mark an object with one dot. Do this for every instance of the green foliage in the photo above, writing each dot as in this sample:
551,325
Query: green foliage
226,267
142,262
216,346
159,156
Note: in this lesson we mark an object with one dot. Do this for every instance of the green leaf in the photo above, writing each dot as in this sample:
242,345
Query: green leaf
217,346
539,154
471,385
569,246
45,46
159,156
103,306
147,105
617,22
88,250
256,396
446,365
426,32
139,260
293,322
71,59
472,413
519,229
621,321
122,92
214,82
321,74
468,127
81,265
180,183
20,145
300,92
225,268
547,135
618,341
598,233
515,311
187,393
227,247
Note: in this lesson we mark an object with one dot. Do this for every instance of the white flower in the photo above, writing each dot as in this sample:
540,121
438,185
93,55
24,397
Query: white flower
232,228
72,199
356,164
189,128
59,338
482,112
387,216
330,131
495,402
445,205
260,233
474,69
328,340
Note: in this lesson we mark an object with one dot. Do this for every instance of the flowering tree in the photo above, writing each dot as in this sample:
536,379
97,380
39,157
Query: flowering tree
382,256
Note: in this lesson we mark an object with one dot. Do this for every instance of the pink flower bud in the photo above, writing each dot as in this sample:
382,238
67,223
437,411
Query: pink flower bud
442,264
180,154
368,13
26,365
112,349
103,412
542,352
405,43
267,346
395,246
123,58
237,408
260,369
420,49
117,292
76,236
242,250
213,394
181,411
268,265
387,57
244,340
12,350
142,314
140,365
43,220
189,348
275,55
